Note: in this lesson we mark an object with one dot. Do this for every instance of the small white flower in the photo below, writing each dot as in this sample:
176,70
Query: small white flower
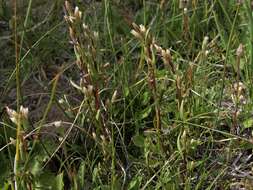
57,123
61,101
24,112
85,27
13,115
143,28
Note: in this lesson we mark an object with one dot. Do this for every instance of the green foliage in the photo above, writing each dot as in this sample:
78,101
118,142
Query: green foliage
116,105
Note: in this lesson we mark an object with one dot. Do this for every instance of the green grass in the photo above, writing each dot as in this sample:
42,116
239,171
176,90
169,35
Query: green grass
126,95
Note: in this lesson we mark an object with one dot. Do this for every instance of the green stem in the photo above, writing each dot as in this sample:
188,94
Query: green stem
18,94
25,24
55,82
225,62
250,17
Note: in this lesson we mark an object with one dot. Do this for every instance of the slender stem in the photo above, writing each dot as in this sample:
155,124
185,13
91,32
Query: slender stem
17,156
49,105
236,94
108,24
113,159
225,62
250,17
25,24
17,63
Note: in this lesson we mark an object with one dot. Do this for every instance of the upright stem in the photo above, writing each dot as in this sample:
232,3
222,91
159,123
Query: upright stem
17,63
225,62
25,24
250,17
16,160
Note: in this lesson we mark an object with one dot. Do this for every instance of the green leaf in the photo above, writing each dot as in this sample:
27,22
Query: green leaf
59,185
48,180
126,91
145,113
35,167
98,115
139,140
135,183
248,123
145,98
81,175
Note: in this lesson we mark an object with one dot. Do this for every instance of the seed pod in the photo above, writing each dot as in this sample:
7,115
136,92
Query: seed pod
114,96
77,13
136,27
90,90
72,34
143,29
239,51
158,48
136,34
205,41
166,56
183,4
24,112
94,136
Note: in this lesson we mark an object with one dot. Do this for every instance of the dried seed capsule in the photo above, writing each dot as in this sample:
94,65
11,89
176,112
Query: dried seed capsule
183,4
239,51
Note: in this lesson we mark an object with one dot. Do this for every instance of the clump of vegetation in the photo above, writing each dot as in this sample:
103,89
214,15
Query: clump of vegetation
148,94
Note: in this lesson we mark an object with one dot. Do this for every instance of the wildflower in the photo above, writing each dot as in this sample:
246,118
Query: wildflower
13,115
57,123
24,112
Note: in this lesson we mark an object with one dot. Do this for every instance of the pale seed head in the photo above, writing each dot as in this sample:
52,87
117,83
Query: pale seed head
239,51
24,112
114,96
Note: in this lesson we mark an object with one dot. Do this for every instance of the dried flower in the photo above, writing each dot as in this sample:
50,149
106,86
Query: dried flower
85,27
13,141
139,31
90,90
183,4
57,123
239,51
114,96
166,56
77,13
12,114
143,29
205,42
136,34
23,114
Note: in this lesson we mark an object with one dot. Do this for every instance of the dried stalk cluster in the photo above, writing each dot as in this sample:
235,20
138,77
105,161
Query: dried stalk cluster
150,50
85,42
